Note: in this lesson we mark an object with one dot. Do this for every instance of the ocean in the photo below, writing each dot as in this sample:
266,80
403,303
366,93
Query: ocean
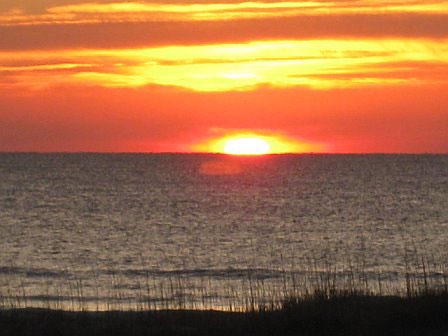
209,231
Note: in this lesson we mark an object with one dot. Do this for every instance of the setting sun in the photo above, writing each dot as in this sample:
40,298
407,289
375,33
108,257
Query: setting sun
251,143
246,146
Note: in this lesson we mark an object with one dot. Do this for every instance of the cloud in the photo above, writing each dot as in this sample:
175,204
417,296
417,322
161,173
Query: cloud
71,12
319,64
144,34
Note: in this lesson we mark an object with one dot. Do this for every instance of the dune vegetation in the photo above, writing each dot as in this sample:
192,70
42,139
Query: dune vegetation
322,302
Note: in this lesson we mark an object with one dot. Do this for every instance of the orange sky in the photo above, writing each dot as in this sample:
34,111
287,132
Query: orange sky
154,76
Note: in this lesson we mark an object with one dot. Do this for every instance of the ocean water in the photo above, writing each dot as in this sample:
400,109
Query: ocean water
167,230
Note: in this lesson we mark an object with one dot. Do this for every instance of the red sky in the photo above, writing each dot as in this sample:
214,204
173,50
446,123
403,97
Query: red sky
150,76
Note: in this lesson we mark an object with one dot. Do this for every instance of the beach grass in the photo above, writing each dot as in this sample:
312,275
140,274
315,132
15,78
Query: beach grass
323,301
320,313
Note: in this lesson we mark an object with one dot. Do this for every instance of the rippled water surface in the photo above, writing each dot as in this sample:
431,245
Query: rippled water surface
108,224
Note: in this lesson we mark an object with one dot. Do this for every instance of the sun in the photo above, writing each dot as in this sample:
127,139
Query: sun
248,142
246,146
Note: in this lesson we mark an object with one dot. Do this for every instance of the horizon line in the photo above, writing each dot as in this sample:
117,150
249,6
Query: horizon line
223,154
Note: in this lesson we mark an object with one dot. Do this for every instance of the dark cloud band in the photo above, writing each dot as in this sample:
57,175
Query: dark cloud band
141,34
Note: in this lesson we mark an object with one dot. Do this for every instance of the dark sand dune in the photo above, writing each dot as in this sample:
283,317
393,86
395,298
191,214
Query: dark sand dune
342,314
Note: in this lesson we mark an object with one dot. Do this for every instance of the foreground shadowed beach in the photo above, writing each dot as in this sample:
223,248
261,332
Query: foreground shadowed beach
319,314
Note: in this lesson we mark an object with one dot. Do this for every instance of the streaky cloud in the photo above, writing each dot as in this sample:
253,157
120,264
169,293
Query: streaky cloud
135,35
319,64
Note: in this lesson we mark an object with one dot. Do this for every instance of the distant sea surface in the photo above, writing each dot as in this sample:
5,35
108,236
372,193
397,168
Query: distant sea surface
155,227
